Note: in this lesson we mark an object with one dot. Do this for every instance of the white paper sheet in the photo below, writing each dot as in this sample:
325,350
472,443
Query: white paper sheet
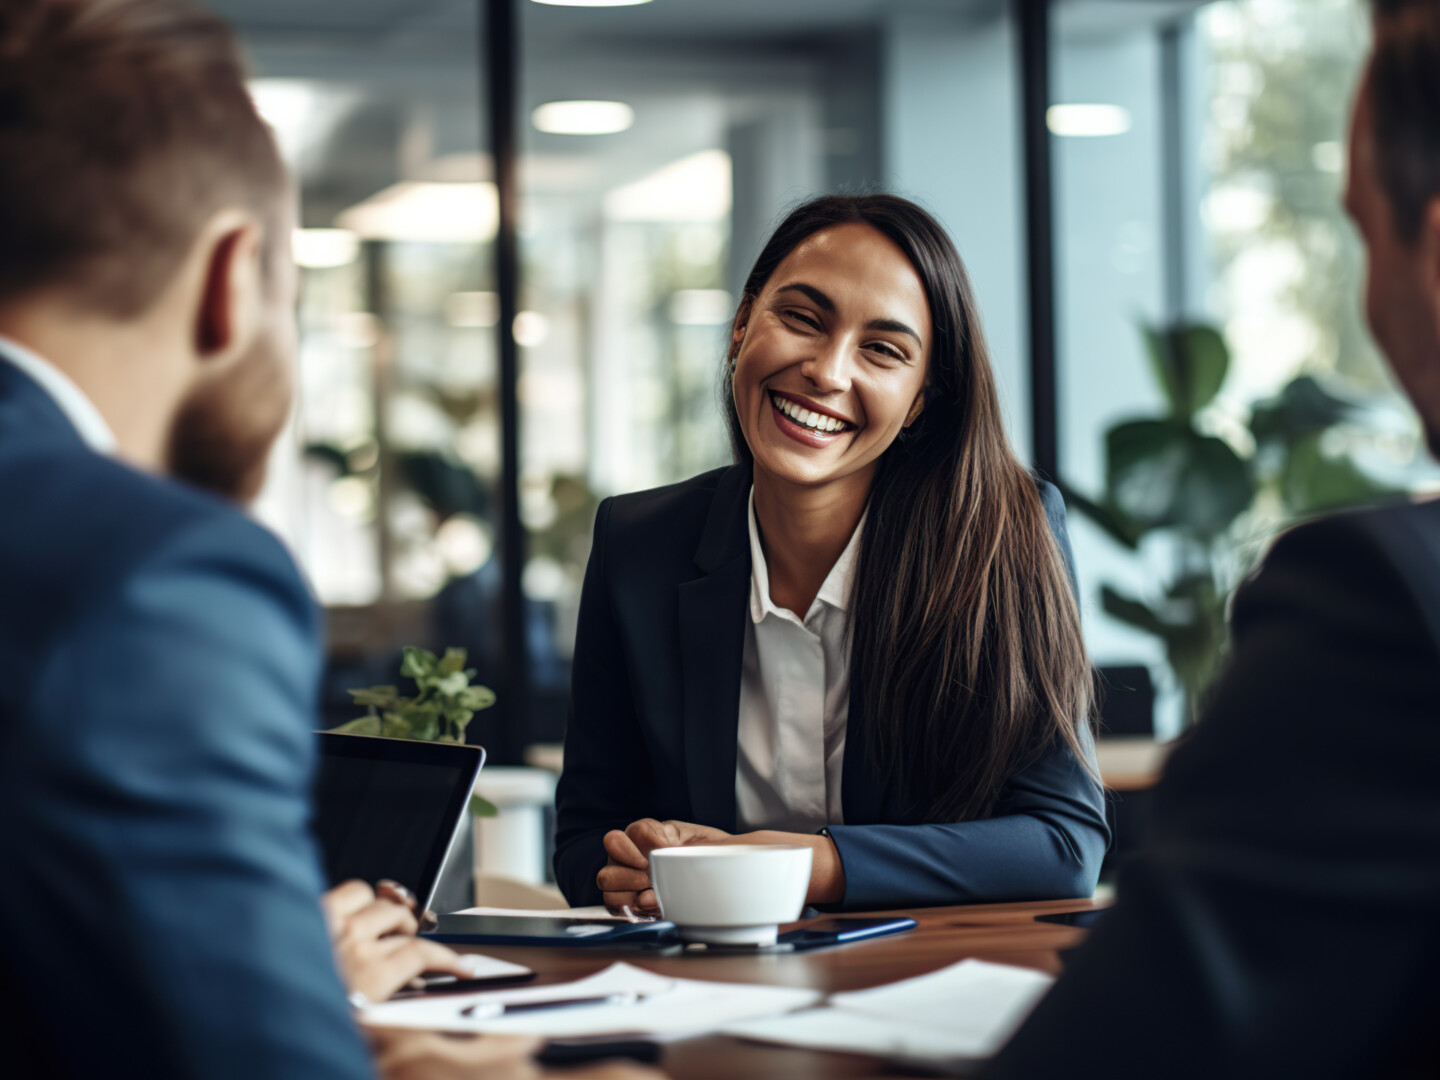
669,1009
597,912
964,1012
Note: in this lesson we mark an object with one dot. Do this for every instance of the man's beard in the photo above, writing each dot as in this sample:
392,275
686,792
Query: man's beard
222,434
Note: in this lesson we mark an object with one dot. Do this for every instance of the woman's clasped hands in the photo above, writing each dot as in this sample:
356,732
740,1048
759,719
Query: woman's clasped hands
624,881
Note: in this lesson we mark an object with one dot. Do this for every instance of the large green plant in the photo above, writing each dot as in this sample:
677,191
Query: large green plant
1166,476
444,703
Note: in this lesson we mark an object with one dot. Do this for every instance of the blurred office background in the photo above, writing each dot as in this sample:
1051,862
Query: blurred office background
1193,165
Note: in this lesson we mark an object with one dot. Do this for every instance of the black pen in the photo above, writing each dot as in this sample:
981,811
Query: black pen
488,1010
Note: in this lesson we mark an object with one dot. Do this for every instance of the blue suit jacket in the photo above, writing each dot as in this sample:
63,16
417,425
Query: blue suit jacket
158,667
655,712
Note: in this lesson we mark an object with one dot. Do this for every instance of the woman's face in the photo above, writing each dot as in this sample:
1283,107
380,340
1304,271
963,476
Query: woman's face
833,357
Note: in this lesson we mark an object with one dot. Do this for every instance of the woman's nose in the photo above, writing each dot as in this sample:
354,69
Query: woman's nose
829,368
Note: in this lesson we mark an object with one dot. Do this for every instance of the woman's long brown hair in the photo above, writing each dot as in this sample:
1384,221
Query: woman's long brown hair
966,650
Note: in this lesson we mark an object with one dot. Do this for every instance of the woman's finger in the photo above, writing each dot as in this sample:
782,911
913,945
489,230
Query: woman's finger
379,919
622,850
385,973
618,901
648,901
344,900
622,879
647,834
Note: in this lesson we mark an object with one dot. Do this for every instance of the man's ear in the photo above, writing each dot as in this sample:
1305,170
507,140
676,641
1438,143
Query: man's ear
231,297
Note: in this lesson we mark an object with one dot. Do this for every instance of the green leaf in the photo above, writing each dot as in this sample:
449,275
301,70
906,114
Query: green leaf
1303,408
476,698
1116,525
451,684
1312,482
1132,612
1162,473
364,725
382,697
417,663
482,807
1190,362
394,726
452,662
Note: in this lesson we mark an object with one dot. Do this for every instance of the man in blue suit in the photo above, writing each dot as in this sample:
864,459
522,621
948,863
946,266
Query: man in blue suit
1284,917
159,653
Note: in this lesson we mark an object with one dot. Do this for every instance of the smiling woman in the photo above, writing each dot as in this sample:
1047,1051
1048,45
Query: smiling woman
862,636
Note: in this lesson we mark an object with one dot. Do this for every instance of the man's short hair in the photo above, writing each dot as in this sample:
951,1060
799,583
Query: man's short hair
1405,99
124,125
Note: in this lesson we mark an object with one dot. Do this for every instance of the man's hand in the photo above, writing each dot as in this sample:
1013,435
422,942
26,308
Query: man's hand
374,939
625,879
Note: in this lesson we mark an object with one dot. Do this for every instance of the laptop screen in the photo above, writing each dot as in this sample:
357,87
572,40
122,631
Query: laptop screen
389,808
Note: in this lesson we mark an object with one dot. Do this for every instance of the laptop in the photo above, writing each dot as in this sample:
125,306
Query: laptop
391,808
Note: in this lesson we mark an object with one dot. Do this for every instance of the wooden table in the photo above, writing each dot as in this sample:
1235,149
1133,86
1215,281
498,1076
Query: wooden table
1003,933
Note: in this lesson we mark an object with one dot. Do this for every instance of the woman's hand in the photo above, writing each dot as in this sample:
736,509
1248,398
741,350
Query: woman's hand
827,872
374,940
625,879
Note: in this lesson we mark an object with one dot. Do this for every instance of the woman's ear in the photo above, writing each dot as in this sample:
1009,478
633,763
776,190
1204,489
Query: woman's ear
916,408
738,328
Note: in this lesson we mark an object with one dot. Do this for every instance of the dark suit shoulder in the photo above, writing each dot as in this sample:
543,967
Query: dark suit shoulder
1375,571
687,501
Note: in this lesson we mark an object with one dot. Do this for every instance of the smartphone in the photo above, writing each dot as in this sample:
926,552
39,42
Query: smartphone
527,930
824,932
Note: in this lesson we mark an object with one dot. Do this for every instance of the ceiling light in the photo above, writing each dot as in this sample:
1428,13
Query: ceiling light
592,3
1087,121
694,189
441,213
324,249
582,117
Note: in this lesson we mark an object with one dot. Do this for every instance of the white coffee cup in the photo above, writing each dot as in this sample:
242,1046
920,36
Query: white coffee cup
731,894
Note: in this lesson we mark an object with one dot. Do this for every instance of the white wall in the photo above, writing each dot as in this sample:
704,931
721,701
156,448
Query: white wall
951,138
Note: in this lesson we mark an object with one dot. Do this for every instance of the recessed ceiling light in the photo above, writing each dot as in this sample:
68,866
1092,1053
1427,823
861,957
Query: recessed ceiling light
582,117
592,3
1087,121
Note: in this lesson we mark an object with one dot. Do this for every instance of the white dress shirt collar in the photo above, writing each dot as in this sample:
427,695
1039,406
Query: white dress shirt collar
834,590
69,398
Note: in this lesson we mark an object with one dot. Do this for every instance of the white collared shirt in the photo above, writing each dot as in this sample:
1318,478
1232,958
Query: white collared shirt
69,398
794,701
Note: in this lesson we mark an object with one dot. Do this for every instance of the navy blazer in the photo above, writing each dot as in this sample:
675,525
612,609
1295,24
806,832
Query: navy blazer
654,719
159,659
1283,917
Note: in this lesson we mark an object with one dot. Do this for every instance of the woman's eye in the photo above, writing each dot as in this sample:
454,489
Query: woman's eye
886,350
802,317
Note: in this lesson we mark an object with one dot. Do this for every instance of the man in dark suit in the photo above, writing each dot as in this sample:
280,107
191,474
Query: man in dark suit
1284,920
159,653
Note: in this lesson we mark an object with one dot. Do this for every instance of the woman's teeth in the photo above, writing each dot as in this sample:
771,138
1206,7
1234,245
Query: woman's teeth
816,422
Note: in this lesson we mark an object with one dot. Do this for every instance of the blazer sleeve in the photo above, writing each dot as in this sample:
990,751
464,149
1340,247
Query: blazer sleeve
1046,840
1281,920
606,782
164,802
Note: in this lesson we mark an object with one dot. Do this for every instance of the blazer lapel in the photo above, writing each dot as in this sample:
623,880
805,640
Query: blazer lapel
712,610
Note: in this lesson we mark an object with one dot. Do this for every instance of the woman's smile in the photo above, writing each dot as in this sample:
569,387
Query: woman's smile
806,422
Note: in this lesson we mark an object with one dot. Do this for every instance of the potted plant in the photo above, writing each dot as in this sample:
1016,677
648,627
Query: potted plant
444,703
1168,477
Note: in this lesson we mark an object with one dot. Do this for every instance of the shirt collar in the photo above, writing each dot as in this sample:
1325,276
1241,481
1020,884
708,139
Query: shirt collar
835,590
69,398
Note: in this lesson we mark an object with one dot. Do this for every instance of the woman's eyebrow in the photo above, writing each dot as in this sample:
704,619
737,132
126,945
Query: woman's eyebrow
821,300
894,326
